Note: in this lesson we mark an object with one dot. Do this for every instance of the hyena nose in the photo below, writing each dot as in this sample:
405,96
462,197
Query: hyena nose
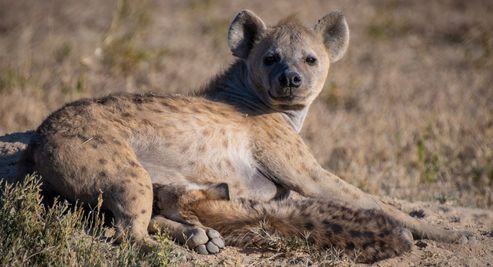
290,79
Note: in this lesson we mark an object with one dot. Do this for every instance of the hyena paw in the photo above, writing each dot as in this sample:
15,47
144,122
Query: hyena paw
458,237
204,241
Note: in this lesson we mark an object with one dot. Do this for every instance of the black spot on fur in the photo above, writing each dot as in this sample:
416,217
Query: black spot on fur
309,226
384,233
336,228
143,211
103,174
379,219
354,233
103,161
360,220
417,213
369,235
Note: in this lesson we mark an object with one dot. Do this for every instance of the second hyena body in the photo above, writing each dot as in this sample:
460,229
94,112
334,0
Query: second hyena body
242,129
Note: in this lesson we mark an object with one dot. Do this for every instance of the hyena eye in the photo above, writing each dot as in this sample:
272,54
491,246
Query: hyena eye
271,59
310,60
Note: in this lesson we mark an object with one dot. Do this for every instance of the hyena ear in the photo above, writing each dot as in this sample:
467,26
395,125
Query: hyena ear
244,30
218,191
335,33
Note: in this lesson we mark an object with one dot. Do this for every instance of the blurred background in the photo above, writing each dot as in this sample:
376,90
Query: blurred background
407,113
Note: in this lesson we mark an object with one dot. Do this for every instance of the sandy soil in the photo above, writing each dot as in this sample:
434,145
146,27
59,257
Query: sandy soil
476,252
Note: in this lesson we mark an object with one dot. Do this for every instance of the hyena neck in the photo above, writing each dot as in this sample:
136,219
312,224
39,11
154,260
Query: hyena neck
234,87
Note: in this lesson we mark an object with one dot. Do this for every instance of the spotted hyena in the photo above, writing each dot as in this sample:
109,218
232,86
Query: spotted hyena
241,129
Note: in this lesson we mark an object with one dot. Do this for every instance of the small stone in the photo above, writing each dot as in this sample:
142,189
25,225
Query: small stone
421,244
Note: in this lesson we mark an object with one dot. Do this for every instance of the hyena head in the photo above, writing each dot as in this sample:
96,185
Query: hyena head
288,63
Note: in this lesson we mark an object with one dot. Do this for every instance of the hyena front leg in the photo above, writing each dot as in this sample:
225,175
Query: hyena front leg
289,162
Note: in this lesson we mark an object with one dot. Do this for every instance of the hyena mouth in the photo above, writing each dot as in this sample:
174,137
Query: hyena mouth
289,102
283,98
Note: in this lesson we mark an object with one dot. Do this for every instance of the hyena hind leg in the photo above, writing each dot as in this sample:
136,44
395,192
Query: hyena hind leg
130,202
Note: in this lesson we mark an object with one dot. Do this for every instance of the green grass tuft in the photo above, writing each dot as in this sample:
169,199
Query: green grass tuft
429,163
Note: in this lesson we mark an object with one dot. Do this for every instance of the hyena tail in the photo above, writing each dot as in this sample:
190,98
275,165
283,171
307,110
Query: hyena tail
370,235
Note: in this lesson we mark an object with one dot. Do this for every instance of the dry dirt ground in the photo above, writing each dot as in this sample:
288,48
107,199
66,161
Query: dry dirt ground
407,114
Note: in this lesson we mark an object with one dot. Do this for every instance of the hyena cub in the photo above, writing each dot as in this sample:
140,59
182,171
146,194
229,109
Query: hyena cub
368,234
241,129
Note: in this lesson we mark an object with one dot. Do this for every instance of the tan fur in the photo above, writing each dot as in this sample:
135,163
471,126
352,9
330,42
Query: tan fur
241,129
369,234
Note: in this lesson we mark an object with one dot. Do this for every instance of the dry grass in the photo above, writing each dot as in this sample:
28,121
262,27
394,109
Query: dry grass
407,113
63,234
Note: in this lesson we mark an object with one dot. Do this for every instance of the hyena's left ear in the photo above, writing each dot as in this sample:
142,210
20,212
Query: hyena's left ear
335,33
245,29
